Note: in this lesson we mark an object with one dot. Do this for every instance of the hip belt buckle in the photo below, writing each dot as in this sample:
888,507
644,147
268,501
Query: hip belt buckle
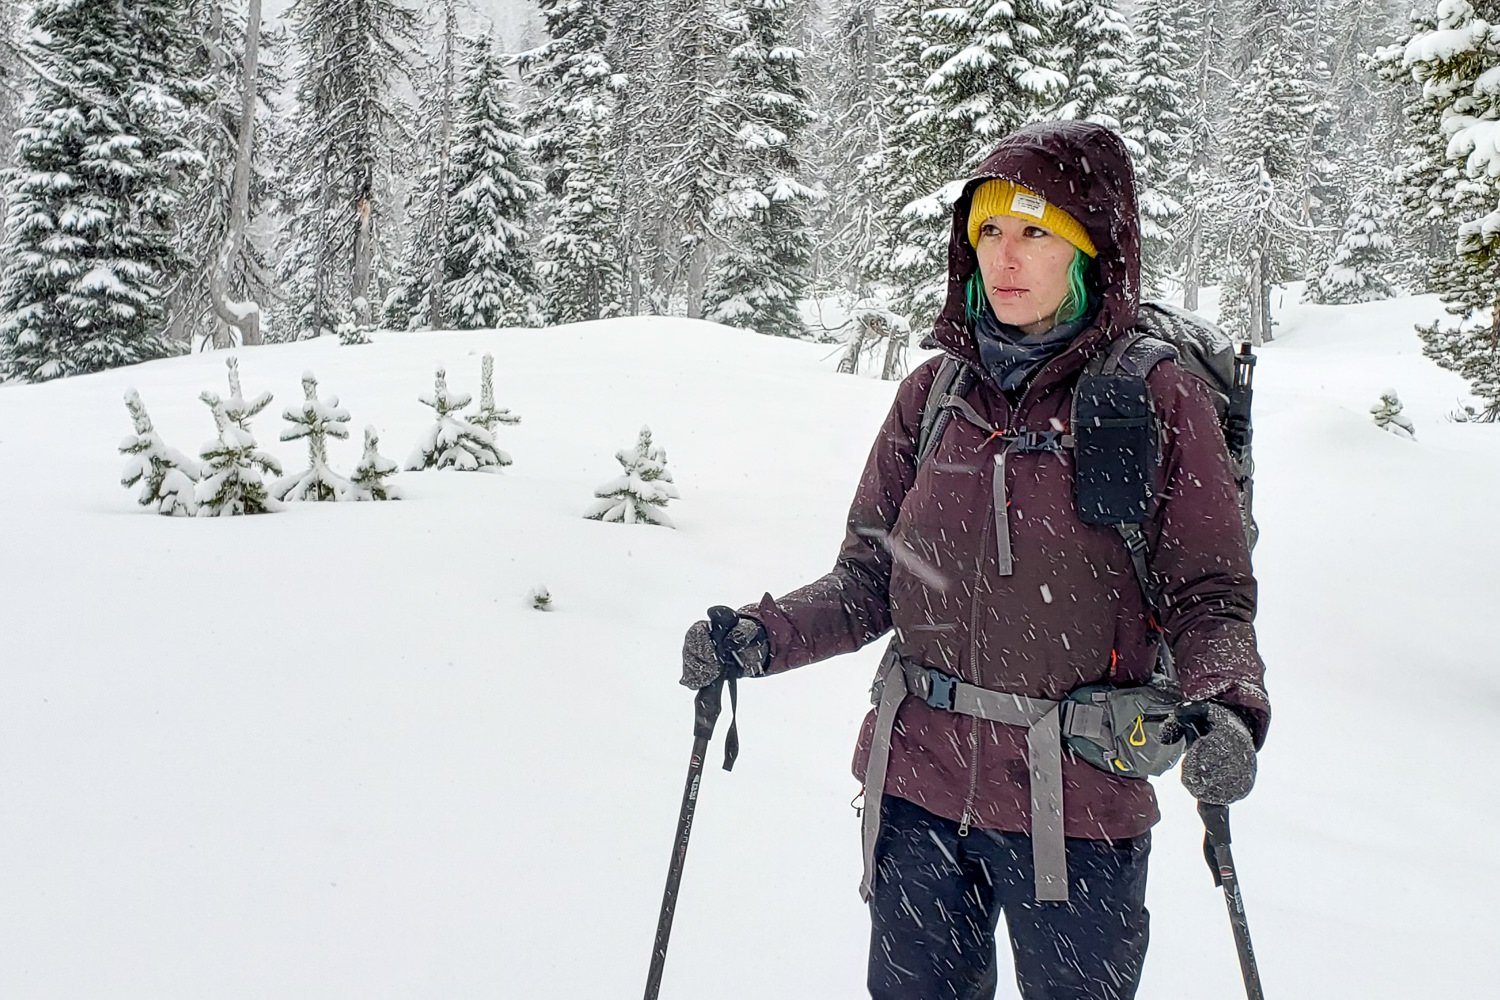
941,688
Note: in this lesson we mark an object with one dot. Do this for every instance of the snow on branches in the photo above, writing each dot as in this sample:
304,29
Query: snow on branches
488,416
453,442
316,420
369,480
638,495
233,466
1388,416
166,476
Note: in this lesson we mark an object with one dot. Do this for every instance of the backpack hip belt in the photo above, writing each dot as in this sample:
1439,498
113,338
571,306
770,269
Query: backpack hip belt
1041,718
1115,729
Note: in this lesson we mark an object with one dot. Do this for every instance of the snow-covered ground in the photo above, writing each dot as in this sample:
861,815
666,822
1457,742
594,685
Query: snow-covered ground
333,752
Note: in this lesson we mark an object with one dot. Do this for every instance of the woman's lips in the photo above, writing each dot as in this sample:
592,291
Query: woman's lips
1009,293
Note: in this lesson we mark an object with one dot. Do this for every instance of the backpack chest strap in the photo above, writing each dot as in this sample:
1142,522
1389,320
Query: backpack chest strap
1041,718
1022,442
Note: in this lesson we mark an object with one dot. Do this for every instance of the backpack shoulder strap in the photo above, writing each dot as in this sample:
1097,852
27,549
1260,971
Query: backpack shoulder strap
953,379
1133,355
1137,352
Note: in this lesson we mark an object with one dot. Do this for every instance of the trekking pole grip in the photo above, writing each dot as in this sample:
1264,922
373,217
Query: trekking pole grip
1215,822
706,706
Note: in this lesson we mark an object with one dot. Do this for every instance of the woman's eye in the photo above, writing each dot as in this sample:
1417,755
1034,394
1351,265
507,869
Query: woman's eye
990,231
1036,232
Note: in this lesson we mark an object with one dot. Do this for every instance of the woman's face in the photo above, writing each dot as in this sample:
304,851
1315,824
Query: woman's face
1025,271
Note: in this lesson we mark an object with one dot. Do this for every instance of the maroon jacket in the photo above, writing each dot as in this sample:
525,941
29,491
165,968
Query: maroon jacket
919,554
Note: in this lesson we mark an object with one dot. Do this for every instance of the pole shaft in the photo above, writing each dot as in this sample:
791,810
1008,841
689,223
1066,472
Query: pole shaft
674,869
1216,828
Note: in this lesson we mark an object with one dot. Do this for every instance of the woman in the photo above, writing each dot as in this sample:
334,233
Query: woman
978,559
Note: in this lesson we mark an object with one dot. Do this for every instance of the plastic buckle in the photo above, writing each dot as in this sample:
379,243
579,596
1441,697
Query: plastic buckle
940,690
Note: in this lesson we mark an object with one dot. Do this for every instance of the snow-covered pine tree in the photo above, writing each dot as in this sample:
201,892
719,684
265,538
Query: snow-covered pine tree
12,94
234,468
764,268
226,229
1093,49
571,126
1206,101
1457,62
1424,239
639,494
1320,190
850,119
689,144
100,162
316,420
453,442
490,274
634,49
1158,132
1360,267
489,417
1257,198
415,300
348,119
237,408
1388,416
959,78
1354,139
369,479
166,476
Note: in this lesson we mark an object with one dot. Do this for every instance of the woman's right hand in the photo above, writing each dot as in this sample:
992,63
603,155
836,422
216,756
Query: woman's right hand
742,652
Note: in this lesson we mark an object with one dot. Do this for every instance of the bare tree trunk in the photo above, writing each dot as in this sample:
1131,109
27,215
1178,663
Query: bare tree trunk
242,316
1260,299
440,197
1266,334
697,277
1192,265
895,353
364,256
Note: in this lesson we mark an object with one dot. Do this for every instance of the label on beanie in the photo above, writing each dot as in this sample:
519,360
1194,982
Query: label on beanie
1028,204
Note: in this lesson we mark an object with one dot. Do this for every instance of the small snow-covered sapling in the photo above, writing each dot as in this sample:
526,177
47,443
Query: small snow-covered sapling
1388,416
638,495
317,420
369,482
166,475
452,442
488,416
233,468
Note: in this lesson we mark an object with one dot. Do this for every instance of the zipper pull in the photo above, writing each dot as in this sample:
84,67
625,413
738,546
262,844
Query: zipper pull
963,825
858,803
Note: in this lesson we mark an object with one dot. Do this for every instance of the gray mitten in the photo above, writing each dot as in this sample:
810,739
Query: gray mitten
1219,766
746,646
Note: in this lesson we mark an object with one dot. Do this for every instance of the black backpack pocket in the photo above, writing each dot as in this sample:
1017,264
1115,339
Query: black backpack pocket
1114,433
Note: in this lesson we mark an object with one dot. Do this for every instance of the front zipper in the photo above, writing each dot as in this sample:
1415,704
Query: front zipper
965,816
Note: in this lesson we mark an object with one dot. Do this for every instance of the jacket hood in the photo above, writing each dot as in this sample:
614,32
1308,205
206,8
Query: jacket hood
1083,169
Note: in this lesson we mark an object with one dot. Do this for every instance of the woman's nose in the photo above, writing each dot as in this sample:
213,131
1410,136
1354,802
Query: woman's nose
1006,254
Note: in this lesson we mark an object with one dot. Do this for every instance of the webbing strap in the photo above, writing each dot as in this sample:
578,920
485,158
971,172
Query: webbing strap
897,679
1024,443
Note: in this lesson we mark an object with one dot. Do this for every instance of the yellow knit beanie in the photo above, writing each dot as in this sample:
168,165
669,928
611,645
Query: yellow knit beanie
997,197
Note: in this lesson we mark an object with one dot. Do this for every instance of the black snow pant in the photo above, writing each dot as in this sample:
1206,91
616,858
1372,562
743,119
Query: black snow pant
938,897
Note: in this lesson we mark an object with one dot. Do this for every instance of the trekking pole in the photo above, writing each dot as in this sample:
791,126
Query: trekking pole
705,715
1221,863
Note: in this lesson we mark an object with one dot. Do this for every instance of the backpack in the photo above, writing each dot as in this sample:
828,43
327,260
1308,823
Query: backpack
1112,397
1115,440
